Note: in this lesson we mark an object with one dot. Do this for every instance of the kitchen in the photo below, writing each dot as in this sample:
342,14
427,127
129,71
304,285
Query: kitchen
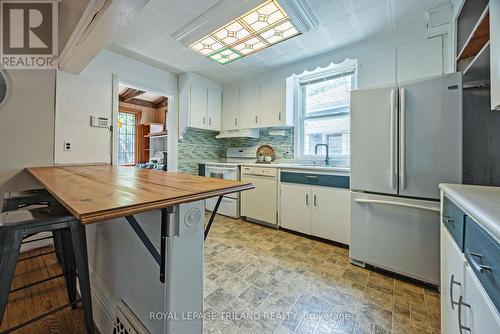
345,154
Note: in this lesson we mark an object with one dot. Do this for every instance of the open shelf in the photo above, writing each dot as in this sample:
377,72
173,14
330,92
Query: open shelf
478,38
155,134
479,67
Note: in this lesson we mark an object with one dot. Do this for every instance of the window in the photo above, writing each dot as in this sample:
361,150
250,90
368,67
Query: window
126,138
323,116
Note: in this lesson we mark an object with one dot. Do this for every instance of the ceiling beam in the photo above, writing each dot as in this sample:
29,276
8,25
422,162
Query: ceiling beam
129,94
160,102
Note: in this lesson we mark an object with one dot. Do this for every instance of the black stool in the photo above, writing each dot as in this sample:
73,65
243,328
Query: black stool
15,200
14,225
27,198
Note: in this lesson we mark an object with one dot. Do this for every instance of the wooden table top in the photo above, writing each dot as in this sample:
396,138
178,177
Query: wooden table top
96,193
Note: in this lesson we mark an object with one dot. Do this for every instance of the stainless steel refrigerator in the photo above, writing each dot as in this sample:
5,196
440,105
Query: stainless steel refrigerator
406,138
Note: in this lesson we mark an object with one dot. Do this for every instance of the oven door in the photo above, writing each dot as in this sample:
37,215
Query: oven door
225,173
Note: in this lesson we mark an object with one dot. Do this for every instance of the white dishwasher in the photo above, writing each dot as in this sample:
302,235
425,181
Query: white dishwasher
260,205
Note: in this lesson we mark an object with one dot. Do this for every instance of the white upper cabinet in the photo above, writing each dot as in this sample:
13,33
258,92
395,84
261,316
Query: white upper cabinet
230,109
198,107
214,106
249,107
272,103
200,104
495,53
420,59
259,105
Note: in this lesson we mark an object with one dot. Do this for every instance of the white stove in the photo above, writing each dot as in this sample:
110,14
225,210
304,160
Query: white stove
229,170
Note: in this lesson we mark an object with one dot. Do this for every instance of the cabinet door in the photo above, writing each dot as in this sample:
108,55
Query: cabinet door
477,310
198,108
214,109
272,109
230,109
452,281
249,107
295,207
495,53
331,213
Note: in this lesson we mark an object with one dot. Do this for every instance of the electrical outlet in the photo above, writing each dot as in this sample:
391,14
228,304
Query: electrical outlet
67,146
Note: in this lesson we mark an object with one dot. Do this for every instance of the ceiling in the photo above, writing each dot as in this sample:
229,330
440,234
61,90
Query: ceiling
139,97
147,37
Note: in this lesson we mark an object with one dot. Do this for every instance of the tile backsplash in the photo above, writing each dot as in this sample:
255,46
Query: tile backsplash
195,146
201,145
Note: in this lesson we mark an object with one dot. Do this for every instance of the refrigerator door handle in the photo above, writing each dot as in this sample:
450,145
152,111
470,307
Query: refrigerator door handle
406,205
402,138
393,139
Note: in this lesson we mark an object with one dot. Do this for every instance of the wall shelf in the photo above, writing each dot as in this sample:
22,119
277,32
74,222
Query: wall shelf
479,67
478,38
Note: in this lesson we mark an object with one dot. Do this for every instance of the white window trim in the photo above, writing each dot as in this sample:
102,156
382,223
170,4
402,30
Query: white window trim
348,65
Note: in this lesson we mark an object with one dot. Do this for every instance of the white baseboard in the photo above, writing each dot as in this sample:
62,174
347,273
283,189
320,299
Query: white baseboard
103,305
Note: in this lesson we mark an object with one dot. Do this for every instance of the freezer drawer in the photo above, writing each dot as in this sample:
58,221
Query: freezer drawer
399,235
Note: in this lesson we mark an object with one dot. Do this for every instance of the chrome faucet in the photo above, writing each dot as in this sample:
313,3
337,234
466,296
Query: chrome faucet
327,158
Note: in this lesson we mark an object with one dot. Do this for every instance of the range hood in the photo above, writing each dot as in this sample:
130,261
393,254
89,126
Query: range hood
244,133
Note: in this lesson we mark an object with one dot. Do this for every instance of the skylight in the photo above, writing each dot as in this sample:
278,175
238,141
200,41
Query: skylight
258,29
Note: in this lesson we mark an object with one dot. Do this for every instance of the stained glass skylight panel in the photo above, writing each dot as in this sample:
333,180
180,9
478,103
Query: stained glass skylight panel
258,29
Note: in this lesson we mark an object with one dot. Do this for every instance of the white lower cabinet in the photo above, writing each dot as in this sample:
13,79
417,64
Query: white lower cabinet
478,315
452,282
319,211
466,307
331,213
295,207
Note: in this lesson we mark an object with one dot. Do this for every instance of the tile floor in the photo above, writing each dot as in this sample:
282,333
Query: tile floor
262,280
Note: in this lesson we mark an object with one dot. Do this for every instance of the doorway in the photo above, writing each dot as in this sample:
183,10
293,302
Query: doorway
142,127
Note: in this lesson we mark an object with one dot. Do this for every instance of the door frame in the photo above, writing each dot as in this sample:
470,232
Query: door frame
172,117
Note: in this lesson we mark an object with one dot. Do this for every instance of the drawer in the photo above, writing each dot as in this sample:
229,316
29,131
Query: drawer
482,252
453,219
333,181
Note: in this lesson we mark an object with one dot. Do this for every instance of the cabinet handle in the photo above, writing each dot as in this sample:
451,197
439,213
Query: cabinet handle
453,282
307,199
203,120
460,303
235,122
256,119
209,121
279,116
448,220
315,202
479,267
311,177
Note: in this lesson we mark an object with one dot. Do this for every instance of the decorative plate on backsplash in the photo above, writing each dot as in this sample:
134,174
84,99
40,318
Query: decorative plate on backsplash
265,151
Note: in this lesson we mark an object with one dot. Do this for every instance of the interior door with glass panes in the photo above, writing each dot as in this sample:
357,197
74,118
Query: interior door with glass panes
126,138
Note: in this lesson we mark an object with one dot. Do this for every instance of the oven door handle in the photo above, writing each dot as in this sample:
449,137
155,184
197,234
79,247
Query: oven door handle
210,168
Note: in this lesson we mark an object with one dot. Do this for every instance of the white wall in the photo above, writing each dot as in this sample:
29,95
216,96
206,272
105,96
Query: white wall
26,128
91,93
377,59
